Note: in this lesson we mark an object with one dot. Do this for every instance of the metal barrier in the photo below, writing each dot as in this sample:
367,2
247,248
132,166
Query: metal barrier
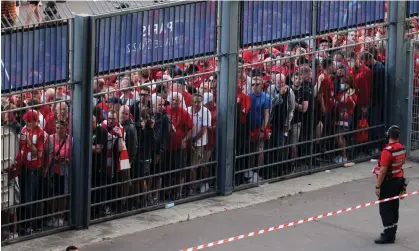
314,101
36,119
176,101
413,111
166,110
38,155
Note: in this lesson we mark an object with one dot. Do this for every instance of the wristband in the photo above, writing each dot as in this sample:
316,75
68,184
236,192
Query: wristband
377,187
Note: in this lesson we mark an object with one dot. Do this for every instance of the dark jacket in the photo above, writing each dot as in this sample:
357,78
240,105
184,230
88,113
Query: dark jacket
161,132
135,110
131,140
146,141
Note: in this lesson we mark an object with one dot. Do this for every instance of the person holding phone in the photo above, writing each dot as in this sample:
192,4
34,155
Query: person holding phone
58,160
117,161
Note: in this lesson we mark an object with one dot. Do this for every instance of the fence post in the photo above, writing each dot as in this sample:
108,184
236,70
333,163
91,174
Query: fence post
314,11
408,78
396,89
82,76
226,108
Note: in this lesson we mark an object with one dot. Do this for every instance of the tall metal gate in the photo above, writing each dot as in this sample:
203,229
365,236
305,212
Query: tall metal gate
182,100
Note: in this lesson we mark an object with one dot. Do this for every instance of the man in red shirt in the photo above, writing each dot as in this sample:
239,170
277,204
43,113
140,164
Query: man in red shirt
182,125
390,182
29,161
325,96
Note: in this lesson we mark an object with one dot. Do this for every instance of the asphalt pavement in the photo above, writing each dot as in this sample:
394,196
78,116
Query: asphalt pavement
351,231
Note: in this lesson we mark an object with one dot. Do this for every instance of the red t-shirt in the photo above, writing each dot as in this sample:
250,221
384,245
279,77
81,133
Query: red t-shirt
328,90
363,85
244,102
187,97
64,151
182,122
45,110
37,137
348,104
50,124
212,132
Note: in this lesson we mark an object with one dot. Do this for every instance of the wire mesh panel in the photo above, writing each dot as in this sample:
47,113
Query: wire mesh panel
412,33
154,108
311,87
414,102
36,121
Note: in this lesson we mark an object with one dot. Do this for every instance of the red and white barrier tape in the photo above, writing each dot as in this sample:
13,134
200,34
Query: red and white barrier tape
275,228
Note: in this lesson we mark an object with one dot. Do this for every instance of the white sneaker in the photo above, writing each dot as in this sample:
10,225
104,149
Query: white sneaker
255,178
59,222
51,221
13,236
204,187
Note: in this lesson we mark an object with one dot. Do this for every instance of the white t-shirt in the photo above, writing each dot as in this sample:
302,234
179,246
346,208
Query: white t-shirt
200,119
41,120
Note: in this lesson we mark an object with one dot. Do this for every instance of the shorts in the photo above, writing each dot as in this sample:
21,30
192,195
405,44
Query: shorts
60,185
175,160
342,127
295,133
123,175
200,155
142,168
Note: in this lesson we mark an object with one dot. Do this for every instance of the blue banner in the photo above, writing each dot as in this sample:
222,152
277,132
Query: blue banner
146,37
345,14
413,8
30,58
266,21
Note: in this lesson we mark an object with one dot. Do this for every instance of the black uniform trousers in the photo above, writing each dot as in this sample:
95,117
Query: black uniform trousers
389,210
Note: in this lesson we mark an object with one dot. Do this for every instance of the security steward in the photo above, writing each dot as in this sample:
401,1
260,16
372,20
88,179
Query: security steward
390,183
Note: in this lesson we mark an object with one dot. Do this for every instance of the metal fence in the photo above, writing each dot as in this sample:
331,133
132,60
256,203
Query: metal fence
176,101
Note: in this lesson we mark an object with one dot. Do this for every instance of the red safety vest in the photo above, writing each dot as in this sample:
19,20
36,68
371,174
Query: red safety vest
398,158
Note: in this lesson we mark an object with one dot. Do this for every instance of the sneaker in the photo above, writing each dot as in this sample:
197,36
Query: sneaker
29,231
51,221
255,179
59,222
340,160
155,201
107,210
13,236
204,187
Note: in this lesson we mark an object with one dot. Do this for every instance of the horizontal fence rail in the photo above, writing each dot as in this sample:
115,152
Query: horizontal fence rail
136,106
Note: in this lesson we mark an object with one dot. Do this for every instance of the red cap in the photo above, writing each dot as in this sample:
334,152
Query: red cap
31,116
159,74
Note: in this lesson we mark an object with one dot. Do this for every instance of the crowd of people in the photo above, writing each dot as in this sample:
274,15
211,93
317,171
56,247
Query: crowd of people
154,130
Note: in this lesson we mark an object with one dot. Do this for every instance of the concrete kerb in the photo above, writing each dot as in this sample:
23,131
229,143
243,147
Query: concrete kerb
245,198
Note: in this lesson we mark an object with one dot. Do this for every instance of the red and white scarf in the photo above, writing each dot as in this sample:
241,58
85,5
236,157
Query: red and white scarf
123,162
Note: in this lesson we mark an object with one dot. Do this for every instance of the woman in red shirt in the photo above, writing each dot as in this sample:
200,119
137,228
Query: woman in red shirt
346,101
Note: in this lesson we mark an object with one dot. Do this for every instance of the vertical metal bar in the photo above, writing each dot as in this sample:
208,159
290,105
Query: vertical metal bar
83,63
314,26
409,77
226,107
395,93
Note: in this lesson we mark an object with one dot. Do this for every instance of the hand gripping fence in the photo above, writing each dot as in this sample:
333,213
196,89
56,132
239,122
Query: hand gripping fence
275,228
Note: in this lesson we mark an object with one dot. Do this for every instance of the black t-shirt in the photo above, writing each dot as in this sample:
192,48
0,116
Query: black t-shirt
100,137
301,95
